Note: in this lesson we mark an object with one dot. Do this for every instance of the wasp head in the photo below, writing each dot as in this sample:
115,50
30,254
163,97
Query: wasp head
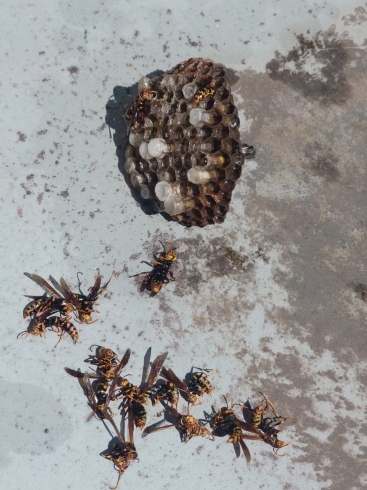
84,317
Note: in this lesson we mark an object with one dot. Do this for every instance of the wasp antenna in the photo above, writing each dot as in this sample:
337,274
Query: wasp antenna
164,248
79,281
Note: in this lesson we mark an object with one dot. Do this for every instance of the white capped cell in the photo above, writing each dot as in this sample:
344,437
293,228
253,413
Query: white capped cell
197,117
135,139
163,190
144,84
189,90
198,175
174,205
157,147
144,152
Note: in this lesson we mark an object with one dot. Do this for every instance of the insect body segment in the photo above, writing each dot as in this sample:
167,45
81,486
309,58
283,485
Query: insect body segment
203,93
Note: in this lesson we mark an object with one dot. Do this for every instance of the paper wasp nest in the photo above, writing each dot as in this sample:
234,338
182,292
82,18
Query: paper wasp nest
184,151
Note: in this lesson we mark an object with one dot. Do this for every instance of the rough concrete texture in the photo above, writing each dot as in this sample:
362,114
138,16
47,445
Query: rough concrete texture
288,319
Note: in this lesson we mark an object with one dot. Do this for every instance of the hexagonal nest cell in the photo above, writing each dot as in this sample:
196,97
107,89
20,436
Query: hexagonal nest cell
183,150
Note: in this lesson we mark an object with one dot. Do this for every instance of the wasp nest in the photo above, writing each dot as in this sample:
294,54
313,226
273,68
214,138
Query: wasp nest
184,151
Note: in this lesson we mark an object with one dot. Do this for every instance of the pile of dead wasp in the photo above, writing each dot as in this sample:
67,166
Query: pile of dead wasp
54,310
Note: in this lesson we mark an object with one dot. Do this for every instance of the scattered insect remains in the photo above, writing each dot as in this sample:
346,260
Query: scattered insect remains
107,384
157,278
58,299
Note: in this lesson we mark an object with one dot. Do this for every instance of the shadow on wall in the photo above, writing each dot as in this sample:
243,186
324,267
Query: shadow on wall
122,98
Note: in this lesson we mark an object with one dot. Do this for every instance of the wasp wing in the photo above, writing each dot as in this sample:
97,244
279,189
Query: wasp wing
155,369
123,363
155,428
171,376
80,375
43,284
245,450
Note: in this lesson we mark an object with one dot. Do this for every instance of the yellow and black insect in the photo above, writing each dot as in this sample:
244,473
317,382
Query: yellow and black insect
165,391
61,325
100,397
226,422
203,93
140,108
187,425
122,454
157,278
198,385
267,425
52,300
106,361
42,320
135,397
81,303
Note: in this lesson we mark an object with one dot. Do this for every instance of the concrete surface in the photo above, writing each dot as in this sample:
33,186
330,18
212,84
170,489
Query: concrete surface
293,326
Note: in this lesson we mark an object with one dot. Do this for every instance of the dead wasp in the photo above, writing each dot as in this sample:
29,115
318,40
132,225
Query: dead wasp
257,413
98,398
124,453
82,304
140,108
121,455
33,306
133,397
187,425
39,303
157,278
267,425
61,325
165,391
105,360
42,320
195,388
226,422
203,93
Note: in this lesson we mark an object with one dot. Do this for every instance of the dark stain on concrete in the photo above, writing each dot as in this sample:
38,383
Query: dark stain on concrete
308,125
321,161
329,53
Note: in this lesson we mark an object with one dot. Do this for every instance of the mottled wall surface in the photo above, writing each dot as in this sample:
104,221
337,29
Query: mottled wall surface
274,299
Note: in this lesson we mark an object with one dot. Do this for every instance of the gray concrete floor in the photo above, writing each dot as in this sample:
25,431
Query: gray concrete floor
293,326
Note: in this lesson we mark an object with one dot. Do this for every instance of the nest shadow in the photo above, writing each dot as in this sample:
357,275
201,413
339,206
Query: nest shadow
116,106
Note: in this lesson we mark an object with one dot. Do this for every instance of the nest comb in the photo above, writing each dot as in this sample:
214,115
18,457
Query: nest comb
183,150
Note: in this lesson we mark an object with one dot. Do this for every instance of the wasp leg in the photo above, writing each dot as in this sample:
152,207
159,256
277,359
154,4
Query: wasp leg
173,277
